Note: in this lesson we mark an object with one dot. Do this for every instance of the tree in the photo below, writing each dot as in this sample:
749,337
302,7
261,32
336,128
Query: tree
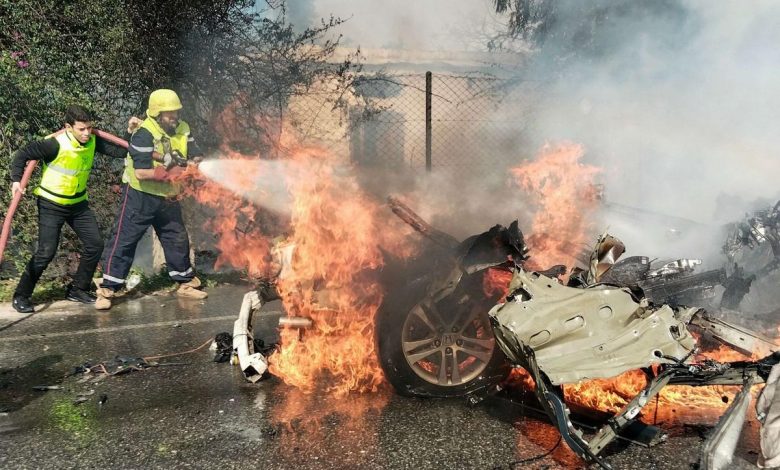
52,55
109,55
565,29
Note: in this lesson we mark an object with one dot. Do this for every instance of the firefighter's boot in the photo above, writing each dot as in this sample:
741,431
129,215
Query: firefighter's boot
190,290
104,296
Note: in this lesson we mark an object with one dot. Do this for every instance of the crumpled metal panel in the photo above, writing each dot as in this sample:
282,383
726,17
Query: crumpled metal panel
768,411
718,450
598,332
608,250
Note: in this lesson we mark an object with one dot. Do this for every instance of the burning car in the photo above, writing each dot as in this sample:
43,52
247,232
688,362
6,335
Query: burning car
563,334
444,331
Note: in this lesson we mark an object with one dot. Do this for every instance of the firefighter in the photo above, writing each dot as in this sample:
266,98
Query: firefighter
62,198
149,199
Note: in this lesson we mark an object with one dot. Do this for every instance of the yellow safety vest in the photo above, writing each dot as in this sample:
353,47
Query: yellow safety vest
178,141
64,179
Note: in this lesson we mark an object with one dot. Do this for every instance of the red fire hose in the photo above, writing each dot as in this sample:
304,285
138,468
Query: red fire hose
26,178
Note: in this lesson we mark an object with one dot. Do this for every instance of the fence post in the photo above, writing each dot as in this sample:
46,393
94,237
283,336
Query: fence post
428,118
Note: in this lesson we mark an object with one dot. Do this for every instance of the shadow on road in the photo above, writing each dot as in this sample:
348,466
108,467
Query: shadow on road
16,384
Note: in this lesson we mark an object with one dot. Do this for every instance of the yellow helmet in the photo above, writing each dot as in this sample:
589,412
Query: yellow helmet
163,100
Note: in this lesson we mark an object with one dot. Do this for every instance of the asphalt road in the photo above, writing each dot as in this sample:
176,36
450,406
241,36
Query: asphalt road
201,414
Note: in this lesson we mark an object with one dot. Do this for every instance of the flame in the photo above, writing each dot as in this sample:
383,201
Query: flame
300,419
337,232
240,241
564,192
610,395
496,282
519,377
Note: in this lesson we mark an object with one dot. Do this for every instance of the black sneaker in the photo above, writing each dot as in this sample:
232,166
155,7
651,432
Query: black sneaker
79,295
23,304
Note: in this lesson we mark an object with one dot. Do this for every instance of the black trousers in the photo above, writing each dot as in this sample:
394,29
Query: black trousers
137,212
51,218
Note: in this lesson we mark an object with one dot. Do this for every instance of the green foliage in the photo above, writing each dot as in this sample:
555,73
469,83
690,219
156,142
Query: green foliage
569,29
223,54
54,289
46,290
52,56
162,281
109,55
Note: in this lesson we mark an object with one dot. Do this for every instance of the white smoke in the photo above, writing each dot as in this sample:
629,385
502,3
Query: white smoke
679,107
418,25
676,100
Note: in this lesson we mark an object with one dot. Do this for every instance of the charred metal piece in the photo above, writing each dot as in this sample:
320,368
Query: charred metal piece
253,364
768,411
433,333
562,334
416,222
760,228
599,332
741,339
673,282
683,288
627,271
556,271
737,286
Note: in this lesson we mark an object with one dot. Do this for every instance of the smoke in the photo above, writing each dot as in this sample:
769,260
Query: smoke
675,100
428,25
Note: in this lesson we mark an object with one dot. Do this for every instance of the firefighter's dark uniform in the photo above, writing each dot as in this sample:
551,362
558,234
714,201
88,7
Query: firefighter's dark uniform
62,198
147,203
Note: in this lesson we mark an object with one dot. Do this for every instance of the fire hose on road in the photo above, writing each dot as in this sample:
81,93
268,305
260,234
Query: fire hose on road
26,179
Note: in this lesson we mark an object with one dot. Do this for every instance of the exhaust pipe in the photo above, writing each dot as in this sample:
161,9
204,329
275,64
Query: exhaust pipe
295,322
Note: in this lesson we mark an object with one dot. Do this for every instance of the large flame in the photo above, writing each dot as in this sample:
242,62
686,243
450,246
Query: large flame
612,394
236,225
336,230
564,193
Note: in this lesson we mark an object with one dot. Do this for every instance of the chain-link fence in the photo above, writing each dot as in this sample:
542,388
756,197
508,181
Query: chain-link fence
418,121
436,121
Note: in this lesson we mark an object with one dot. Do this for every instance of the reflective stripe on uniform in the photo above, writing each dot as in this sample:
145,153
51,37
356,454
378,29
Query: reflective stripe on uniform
64,171
180,273
64,196
142,149
106,277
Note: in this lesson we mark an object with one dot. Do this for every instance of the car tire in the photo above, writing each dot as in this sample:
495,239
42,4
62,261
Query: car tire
439,349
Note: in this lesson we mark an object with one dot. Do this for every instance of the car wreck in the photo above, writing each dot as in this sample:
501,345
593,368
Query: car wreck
564,334
441,333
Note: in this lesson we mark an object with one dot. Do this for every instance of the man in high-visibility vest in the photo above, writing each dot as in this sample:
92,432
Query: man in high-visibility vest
149,199
62,198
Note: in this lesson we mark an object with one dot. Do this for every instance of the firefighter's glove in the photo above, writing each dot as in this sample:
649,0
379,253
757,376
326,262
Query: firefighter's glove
173,158
178,158
168,161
